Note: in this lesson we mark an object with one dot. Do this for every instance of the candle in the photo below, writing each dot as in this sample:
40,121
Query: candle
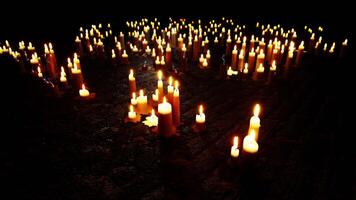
151,120
234,149
132,82
125,58
300,52
169,56
170,90
142,103
260,58
165,121
228,46
251,60
84,92
132,114
269,51
249,144
255,121
155,96
63,78
77,76
160,86
343,48
134,99
200,119
39,73
234,58
241,60
195,48
231,72
176,104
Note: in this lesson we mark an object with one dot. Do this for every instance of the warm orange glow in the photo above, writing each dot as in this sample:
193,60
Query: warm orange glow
176,84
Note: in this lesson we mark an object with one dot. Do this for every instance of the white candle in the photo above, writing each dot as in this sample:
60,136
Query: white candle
234,149
255,121
249,144
134,99
132,114
142,103
84,92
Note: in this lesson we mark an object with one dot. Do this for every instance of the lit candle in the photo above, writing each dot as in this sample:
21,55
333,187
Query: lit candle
134,99
300,52
84,92
234,149
151,120
176,104
132,114
255,121
169,56
200,119
155,96
39,73
241,60
195,48
260,58
269,51
160,86
231,72
63,78
132,82
125,58
251,60
228,46
234,58
343,48
249,144
165,121
77,76
142,103
170,90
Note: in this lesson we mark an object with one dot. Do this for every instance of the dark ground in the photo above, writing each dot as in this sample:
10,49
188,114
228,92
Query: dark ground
66,149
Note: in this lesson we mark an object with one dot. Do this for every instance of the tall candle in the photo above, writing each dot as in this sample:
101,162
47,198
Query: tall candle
300,53
234,58
228,46
241,60
77,76
251,60
124,58
160,86
176,104
234,149
142,103
132,82
170,90
169,56
269,51
260,58
165,121
343,48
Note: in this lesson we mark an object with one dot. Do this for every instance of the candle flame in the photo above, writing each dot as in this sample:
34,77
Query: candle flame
38,70
256,110
131,108
141,93
153,112
176,84
164,99
236,141
83,86
134,95
201,109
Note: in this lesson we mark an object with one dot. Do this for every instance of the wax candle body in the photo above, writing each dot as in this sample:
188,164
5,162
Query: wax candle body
176,107
132,82
234,149
165,121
